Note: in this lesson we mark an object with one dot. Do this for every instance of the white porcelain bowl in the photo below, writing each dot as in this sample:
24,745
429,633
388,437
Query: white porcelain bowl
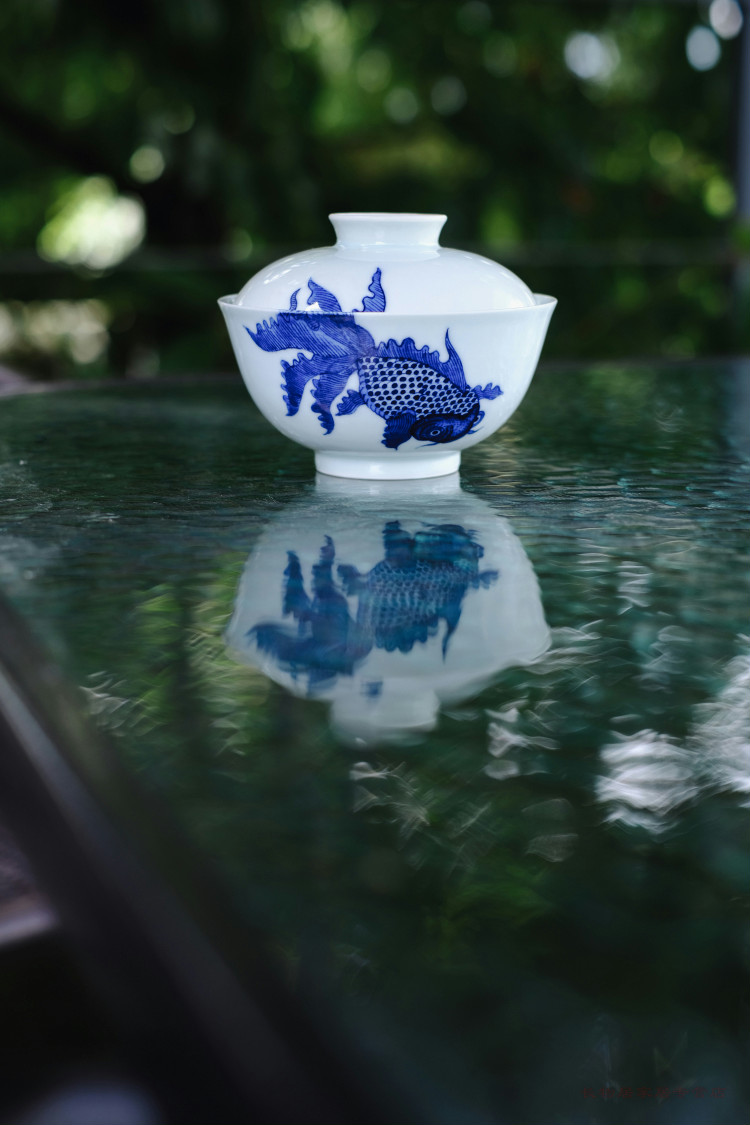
387,354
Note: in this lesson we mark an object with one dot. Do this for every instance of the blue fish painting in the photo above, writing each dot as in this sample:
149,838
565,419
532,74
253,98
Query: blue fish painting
415,392
416,588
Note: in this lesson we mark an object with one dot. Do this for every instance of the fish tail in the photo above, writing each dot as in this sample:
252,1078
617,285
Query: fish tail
335,343
295,379
277,641
328,375
329,381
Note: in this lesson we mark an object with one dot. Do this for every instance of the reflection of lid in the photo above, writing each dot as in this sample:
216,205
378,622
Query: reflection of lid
417,274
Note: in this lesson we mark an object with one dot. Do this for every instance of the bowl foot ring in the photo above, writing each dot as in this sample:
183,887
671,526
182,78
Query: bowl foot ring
363,466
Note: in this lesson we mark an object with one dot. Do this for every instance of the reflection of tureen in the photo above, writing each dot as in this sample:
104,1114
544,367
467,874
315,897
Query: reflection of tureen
386,353
387,600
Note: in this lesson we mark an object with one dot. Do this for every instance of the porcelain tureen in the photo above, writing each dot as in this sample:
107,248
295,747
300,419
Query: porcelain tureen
387,354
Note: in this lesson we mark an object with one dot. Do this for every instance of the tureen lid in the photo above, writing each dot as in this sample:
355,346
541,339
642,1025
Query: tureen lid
385,262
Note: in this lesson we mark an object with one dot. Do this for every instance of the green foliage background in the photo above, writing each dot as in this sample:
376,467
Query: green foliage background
238,125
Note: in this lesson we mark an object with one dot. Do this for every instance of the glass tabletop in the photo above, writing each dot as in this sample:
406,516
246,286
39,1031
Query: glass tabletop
471,754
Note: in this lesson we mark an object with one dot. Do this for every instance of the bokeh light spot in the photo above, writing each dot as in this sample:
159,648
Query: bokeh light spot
448,95
474,16
678,347
666,147
297,35
79,328
718,197
7,328
591,57
79,100
725,17
499,225
239,246
179,119
401,105
119,74
702,48
93,226
500,54
622,166
146,164
373,70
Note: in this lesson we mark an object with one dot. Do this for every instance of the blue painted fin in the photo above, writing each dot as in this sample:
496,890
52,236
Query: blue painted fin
397,430
376,301
350,402
407,349
296,600
325,335
447,543
322,570
352,581
336,343
490,391
293,301
454,369
325,417
323,298
329,381
296,376
329,378
398,545
278,641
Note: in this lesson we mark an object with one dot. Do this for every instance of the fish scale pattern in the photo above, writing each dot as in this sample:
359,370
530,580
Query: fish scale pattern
404,605
394,386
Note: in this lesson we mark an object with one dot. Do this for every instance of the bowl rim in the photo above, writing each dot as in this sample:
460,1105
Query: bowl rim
541,301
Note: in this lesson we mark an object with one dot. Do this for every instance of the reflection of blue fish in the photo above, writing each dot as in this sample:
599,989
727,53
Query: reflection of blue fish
412,389
402,601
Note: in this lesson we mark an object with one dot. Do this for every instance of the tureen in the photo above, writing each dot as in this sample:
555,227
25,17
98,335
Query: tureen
387,354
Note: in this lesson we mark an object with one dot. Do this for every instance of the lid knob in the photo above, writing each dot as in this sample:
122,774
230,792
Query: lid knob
358,229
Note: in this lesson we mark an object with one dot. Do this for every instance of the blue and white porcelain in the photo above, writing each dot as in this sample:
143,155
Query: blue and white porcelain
387,354
388,601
